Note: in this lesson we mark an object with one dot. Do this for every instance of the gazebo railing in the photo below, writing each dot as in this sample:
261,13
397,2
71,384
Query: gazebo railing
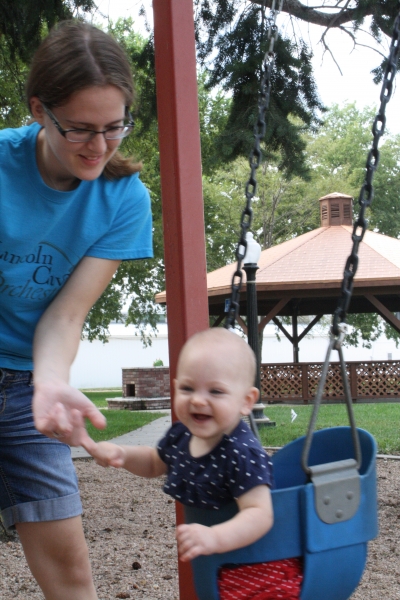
298,382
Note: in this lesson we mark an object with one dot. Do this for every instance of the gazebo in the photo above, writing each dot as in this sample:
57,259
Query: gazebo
302,277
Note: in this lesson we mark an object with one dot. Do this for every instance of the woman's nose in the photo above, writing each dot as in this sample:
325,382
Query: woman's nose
98,143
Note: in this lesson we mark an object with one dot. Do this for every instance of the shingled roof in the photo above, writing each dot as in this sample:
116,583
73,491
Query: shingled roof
316,259
305,273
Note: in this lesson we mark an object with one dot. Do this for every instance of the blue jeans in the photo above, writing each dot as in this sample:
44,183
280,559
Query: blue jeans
37,477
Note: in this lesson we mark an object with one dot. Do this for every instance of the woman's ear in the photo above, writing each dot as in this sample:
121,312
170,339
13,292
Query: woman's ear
37,109
251,398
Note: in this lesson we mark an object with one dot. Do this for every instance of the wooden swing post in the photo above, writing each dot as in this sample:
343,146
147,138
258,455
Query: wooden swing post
181,189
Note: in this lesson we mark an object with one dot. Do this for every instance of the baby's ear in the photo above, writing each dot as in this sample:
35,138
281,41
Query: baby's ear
251,398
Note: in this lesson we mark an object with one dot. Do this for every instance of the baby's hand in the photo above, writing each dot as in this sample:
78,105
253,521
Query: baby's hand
106,454
194,540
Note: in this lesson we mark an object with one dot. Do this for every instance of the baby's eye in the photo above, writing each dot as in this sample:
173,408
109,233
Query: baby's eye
216,392
185,388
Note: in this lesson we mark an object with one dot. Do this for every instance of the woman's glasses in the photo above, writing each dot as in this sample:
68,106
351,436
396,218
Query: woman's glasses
85,135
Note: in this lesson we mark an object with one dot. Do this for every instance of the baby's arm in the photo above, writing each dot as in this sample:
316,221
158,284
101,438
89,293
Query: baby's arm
254,519
143,461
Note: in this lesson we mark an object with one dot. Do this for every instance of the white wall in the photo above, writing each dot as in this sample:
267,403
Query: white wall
313,348
99,365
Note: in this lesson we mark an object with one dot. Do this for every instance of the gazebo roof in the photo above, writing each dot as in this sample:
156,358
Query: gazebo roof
304,275
316,259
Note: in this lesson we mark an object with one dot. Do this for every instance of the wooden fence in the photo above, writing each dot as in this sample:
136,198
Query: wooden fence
370,381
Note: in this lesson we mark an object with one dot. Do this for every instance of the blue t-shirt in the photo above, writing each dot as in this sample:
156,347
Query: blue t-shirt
44,233
236,465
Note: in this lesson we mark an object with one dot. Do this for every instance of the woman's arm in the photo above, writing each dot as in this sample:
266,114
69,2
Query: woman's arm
57,407
254,519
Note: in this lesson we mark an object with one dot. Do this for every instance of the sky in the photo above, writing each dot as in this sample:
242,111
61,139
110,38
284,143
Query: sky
352,83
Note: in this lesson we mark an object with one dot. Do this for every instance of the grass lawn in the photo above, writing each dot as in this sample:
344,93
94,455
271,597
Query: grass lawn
382,420
99,399
118,421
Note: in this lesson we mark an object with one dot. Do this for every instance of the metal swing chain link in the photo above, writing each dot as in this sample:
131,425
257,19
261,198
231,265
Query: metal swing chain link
254,161
367,190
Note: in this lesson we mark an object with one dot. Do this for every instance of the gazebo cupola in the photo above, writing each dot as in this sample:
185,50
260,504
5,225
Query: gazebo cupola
336,209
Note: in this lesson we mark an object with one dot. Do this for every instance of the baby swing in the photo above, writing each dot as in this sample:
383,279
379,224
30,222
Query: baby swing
325,500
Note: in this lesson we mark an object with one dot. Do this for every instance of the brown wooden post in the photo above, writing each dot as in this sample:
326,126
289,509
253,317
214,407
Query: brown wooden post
353,381
181,185
304,382
295,337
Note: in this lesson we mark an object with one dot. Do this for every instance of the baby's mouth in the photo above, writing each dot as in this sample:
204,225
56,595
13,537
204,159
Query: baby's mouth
200,417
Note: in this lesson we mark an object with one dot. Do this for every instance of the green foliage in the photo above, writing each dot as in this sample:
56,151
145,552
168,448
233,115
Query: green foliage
236,66
13,108
385,208
222,24
22,25
22,21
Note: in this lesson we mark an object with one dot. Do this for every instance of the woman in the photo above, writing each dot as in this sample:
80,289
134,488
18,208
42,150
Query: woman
71,209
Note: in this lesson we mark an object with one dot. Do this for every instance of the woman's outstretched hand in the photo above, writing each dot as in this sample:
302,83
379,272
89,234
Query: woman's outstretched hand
59,411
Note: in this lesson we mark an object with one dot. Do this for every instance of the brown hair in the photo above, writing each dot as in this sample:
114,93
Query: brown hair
75,56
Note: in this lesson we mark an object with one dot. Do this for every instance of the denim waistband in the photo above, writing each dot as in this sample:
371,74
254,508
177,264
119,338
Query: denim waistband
14,376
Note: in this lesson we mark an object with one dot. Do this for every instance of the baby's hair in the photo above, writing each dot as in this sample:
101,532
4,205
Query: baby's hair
235,348
73,57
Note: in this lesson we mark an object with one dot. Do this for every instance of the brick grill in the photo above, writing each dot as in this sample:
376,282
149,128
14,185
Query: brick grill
146,382
143,388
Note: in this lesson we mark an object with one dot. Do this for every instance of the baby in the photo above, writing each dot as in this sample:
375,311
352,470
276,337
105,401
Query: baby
211,457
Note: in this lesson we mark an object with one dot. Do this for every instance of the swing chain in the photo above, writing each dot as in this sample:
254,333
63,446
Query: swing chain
367,190
339,327
254,161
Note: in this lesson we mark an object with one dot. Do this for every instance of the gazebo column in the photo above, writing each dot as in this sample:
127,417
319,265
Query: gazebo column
295,337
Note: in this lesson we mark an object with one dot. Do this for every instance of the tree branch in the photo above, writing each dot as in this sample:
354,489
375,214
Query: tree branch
317,17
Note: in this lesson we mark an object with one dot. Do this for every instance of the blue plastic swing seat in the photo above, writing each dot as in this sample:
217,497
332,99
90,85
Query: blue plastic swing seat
334,555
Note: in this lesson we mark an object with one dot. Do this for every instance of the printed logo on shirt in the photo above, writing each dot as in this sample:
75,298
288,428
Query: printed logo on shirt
35,276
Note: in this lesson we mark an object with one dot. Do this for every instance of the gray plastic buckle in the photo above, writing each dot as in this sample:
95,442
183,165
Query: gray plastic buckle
336,490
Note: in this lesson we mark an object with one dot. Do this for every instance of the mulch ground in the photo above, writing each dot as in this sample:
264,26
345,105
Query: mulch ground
130,528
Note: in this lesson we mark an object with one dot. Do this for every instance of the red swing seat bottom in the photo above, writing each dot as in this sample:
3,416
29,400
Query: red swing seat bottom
275,580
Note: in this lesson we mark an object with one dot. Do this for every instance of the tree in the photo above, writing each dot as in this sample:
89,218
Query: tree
22,26
220,16
231,40
22,22
286,207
